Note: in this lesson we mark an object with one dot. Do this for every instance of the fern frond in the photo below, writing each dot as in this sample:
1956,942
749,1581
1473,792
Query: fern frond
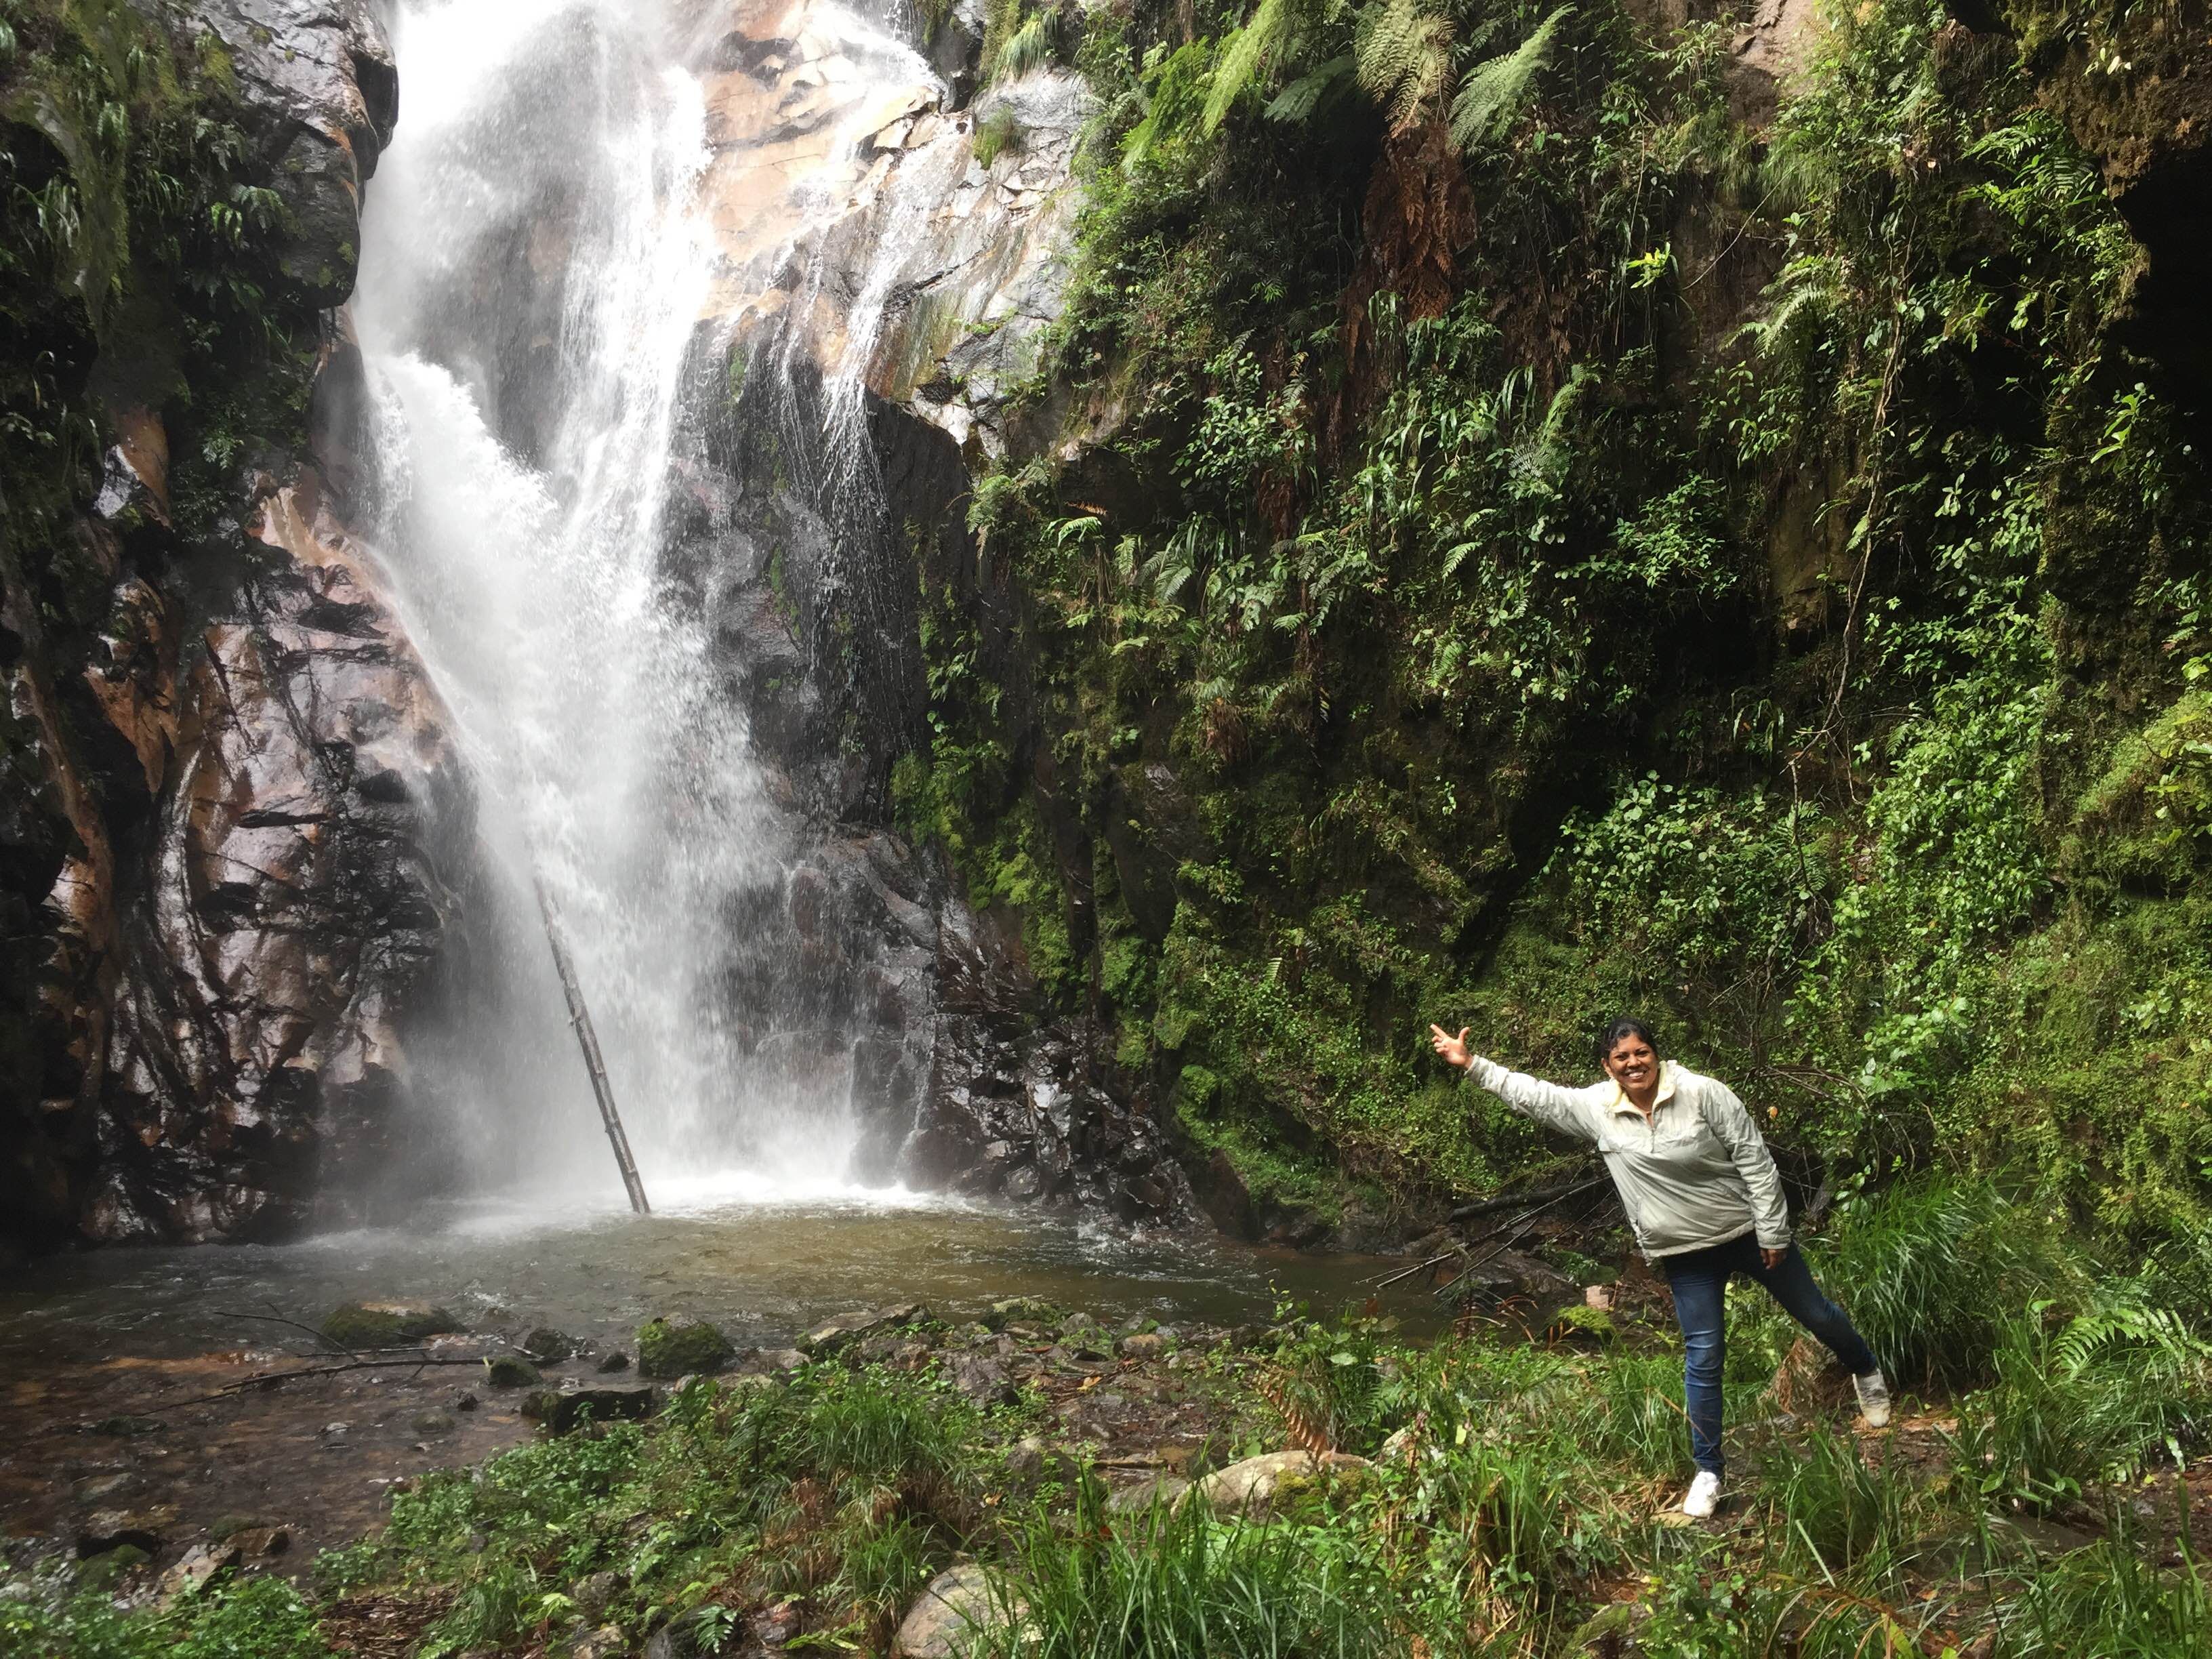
1495,89
1302,96
1305,1430
1247,57
1403,55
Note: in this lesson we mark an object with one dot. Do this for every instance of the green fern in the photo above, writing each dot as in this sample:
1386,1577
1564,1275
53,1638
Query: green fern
1496,90
1247,55
1299,100
1403,54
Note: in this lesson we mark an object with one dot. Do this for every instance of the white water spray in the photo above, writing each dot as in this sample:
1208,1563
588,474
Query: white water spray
536,260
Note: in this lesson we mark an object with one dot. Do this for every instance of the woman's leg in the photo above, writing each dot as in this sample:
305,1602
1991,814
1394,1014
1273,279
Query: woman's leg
1791,1285
1699,1281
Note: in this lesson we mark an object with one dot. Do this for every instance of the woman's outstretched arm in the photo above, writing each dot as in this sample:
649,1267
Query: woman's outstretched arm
1531,1097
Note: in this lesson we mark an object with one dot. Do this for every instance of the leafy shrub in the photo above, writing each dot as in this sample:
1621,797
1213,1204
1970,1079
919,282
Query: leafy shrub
1932,1269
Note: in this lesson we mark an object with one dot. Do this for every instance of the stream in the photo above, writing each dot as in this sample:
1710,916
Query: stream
762,1266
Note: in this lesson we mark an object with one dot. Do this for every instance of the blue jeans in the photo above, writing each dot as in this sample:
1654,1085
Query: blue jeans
1699,1280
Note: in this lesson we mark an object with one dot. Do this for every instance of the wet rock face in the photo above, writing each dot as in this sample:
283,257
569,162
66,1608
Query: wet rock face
292,903
322,94
874,345
224,782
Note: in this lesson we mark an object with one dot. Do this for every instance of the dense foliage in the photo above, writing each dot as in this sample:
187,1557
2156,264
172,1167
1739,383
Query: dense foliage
1566,542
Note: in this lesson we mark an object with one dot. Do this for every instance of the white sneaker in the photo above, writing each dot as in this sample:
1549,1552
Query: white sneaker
1873,1398
1704,1496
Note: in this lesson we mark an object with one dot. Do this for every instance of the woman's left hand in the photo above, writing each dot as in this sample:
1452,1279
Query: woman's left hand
1771,1258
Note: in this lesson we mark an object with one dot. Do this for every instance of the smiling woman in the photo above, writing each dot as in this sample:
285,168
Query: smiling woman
1705,1201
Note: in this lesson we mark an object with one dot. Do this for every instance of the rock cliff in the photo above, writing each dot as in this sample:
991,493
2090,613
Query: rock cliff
228,774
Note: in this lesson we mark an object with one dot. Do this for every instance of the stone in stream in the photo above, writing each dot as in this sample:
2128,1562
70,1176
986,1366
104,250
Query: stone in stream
835,1334
561,1412
677,1348
507,1370
262,1540
547,1346
960,1603
360,1325
1020,1311
1259,1487
107,1529
616,1360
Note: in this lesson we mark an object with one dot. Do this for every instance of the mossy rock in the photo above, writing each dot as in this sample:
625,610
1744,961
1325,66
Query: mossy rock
101,1572
507,1371
1021,1310
671,1348
386,1324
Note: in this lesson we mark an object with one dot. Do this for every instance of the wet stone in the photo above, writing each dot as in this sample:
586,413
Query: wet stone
615,1361
566,1411
507,1371
835,1335
547,1346
107,1529
674,1347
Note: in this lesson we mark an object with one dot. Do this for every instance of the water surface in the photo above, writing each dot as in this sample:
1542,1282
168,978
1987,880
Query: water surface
765,1267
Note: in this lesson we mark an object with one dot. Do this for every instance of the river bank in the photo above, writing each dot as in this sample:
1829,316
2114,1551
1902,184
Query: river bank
1296,1487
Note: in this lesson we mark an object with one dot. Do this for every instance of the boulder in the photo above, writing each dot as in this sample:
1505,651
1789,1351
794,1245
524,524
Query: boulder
107,1530
984,1380
960,1604
1020,1311
562,1411
1260,1486
364,1325
607,1642
676,1347
835,1335
615,1361
594,1591
1161,1491
507,1370
547,1346
201,1563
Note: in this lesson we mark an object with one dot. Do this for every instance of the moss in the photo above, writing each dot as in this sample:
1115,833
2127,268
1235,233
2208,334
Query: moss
367,1325
681,1348
506,1370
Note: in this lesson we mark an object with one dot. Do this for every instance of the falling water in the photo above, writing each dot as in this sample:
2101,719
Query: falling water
536,261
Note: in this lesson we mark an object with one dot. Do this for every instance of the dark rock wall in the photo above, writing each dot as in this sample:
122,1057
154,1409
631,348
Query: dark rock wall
225,770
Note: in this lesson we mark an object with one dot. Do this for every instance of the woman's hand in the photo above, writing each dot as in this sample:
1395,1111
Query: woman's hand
1453,1049
1771,1258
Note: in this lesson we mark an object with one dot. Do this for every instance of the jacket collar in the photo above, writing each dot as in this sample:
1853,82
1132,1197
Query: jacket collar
1620,1102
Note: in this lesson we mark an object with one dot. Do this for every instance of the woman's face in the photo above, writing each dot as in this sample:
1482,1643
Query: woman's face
1633,1064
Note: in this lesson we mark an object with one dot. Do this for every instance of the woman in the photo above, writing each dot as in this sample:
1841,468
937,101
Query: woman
1705,1201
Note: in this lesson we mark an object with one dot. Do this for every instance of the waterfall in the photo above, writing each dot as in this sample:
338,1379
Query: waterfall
539,253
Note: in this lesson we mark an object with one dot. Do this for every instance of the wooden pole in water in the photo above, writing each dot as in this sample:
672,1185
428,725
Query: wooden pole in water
579,1017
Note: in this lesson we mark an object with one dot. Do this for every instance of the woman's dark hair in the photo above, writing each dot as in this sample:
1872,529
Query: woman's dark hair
1619,1029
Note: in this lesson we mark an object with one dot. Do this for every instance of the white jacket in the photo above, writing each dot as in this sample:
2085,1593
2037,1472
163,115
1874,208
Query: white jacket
1696,1175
